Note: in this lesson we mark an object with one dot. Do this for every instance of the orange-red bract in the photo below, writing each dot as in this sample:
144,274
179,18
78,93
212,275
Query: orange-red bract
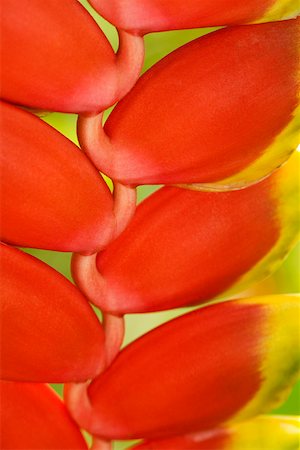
49,333
220,111
220,364
185,247
57,58
33,417
262,433
51,195
145,16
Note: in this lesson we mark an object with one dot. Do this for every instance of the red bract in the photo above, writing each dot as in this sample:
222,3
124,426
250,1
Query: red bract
229,97
33,417
145,16
50,188
263,433
185,247
49,333
57,58
216,365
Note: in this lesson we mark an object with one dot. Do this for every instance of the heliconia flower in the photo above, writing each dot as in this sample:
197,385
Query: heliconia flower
185,247
51,189
57,58
213,367
33,417
263,433
221,112
49,333
145,16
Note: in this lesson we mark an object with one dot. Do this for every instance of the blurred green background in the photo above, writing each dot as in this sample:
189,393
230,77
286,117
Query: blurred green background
285,280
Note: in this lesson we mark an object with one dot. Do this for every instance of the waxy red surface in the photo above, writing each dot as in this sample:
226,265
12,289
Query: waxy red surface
55,57
33,417
190,374
209,109
145,16
185,247
50,188
212,440
49,333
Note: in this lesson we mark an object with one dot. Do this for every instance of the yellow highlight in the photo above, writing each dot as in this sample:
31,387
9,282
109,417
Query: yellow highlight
274,156
285,190
279,346
281,10
266,433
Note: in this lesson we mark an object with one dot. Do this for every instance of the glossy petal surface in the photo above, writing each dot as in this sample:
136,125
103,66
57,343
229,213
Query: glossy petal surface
50,188
263,433
224,363
33,417
55,57
49,333
221,111
144,16
185,247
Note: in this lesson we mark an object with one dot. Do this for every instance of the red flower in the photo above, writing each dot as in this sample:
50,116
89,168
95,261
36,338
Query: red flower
221,111
219,114
33,417
49,333
185,247
50,188
57,58
217,365
145,16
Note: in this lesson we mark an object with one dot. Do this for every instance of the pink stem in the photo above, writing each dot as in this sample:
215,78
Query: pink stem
100,444
92,138
125,206
88,278
130,59
114,328
76,394
95,143
98,147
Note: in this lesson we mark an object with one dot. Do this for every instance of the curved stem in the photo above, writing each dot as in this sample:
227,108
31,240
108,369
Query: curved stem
130,59
125,206
78,403
88,278
95,143
114,329
100,444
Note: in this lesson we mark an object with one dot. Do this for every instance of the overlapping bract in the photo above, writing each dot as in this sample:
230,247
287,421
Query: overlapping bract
207,370
33,417
145,16
184,247
50,187
49,333
220,364
230,97
263,433
57,58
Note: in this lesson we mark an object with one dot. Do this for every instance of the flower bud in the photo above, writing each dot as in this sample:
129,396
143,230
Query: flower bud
146,16
57,58
50,188
213,367
33,417
219,113
186,247
49,332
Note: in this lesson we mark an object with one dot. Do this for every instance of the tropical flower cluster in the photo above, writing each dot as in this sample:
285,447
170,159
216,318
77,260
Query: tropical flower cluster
216,122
